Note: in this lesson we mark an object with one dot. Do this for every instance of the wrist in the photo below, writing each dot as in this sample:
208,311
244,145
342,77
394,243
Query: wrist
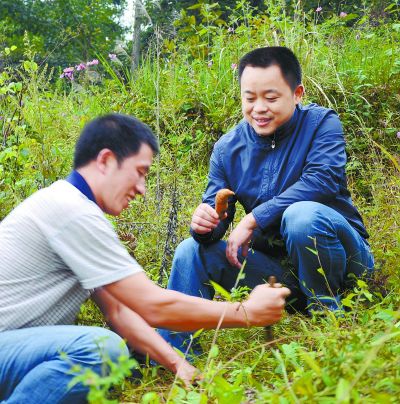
242,313
250,221
174,362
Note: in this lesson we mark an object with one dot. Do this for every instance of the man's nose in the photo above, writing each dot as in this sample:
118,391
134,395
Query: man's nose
141,188
260,105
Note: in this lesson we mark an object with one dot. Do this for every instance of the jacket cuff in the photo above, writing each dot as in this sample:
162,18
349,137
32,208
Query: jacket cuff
263,216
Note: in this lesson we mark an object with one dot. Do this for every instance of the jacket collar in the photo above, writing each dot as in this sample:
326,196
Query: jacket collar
283,131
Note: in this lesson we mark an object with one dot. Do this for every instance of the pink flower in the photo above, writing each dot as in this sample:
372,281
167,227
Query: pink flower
69,76
233,66
93,62
210,63
112,56
318,9
68,72
231,29
81,66
343,14
398,135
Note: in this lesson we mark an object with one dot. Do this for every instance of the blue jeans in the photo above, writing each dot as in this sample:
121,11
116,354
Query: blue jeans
33,371
336,248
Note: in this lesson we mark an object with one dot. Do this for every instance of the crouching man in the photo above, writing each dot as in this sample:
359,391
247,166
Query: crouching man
57,249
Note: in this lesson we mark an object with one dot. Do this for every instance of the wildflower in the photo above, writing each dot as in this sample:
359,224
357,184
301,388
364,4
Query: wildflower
112,56
81,66
231,30
318,9
398,135
210,63
69,76
233,66
68,72
92,63
343,14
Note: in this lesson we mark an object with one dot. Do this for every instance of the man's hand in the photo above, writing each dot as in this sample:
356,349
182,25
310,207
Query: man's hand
205,219
187,373
265,304
240,237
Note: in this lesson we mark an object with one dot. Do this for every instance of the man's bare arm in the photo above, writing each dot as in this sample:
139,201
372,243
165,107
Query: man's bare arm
141,336
177,311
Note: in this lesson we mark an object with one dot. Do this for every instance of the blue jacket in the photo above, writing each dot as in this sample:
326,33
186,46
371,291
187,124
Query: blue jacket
307,164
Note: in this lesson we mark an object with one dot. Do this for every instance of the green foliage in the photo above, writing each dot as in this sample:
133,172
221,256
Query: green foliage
61,31
99,384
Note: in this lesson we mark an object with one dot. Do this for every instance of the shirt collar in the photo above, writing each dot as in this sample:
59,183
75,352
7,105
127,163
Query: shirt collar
80,183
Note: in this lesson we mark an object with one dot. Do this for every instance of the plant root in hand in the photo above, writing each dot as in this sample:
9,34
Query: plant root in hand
221,201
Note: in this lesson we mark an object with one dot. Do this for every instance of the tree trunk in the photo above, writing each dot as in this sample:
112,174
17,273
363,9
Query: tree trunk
136,36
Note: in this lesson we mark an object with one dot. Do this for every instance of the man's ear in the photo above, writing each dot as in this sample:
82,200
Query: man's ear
298,93
104,159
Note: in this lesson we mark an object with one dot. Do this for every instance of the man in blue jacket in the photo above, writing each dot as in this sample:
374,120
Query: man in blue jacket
286,165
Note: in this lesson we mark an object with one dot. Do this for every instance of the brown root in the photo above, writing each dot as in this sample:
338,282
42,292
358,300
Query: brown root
221,201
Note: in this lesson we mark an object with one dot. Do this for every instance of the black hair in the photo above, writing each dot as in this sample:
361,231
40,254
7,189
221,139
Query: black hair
122,134
279,56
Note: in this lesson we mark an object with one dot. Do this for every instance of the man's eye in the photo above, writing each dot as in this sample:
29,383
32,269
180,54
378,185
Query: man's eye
271,99
250,99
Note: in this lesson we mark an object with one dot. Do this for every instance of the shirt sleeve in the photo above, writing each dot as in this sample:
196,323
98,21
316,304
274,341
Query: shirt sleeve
320,178
216,180
90,247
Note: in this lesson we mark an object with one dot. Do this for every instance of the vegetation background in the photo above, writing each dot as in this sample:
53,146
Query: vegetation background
185,87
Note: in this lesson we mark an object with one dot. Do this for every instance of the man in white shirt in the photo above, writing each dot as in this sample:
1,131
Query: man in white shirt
57,249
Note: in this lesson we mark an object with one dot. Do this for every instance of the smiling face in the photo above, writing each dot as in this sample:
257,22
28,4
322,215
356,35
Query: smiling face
267,99
122,182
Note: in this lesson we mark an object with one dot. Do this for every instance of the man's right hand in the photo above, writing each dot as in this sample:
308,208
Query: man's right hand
265,305
204,219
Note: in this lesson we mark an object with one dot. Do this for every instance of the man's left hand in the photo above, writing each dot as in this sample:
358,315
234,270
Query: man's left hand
240,237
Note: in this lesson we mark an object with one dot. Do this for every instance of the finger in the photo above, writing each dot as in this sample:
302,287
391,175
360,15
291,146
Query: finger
209,210
245,250
277,285
205,221
231,255
200,229
200,215
234,262
285,292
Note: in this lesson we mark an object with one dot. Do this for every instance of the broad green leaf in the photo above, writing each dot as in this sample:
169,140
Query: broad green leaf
197,333
214,351
311,362
343,391
220,290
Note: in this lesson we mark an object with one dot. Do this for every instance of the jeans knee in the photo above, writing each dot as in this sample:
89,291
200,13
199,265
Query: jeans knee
186,248
108,344
295,218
